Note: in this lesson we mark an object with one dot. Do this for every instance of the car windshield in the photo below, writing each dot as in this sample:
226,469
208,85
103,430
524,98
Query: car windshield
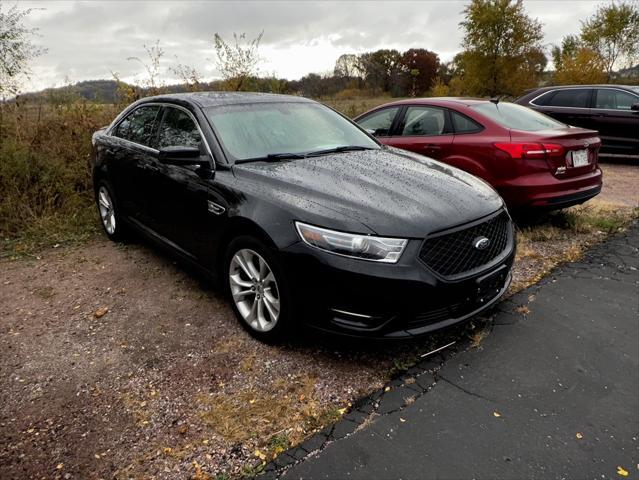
514,116
278,129
636,89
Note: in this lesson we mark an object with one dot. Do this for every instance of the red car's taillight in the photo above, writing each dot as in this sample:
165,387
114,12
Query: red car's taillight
531,150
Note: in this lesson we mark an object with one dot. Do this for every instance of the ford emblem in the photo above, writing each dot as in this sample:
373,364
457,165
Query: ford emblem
481,243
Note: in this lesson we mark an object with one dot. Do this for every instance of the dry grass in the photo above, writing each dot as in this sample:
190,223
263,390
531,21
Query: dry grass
270,417
563,236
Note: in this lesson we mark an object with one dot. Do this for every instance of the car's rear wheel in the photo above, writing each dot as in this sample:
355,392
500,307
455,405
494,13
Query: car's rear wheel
259,289
108,210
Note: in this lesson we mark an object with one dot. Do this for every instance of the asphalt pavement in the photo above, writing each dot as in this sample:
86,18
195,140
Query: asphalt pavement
551,392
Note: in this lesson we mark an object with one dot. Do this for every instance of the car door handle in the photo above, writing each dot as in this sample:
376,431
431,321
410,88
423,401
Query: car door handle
149,167
432,146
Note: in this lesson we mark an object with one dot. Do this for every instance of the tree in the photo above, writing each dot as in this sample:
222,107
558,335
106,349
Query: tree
17,49
419,69
381,68
347,66
502,48
613,32
239,61
576,63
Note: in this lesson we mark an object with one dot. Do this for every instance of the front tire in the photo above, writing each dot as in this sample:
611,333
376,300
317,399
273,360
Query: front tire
259,289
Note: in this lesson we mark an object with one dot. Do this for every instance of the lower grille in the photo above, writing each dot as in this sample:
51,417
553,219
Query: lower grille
453,254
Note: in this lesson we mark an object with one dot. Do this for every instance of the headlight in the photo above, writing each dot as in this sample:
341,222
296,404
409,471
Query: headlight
365,247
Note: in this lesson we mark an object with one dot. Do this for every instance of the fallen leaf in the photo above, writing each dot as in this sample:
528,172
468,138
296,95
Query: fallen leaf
402,419
341,411
260,455
497,414
183,429
97,456
622,471
387,389
101,312
60,466
167,450
579,436
524,310
205,442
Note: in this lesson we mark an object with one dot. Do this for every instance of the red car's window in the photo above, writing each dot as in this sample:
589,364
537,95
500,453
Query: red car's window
463,124
380,121
424,121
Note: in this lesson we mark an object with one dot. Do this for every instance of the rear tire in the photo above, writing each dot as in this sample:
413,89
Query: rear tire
259,289
109,212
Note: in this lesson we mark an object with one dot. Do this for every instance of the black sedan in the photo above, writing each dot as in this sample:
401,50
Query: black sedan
302,215
613,110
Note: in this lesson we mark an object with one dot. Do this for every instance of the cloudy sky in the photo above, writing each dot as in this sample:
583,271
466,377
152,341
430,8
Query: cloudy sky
91,39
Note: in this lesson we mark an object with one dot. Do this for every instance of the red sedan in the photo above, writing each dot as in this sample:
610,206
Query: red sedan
529,158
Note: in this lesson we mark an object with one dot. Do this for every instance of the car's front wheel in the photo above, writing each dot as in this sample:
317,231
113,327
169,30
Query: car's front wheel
259,289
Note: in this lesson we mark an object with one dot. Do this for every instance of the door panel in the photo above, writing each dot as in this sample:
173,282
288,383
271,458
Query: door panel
183,192
618,125
424,130
130,147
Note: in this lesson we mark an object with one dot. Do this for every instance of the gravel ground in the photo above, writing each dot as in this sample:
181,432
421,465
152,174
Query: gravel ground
117,363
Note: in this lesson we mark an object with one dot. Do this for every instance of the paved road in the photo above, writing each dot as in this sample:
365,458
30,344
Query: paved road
552,392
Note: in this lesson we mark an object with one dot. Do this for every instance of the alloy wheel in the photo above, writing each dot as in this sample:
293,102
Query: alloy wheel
107,211
254,290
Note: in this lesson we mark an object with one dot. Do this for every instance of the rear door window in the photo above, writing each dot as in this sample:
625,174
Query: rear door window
139,126
380,121
517,117
572,98
610,99
178,130
422,120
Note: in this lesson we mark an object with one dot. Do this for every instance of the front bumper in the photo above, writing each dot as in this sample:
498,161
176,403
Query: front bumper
404,300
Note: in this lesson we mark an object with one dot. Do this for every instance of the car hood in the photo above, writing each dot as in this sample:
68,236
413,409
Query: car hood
389,191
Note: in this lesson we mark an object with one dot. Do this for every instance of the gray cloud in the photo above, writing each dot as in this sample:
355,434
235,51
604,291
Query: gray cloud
91,39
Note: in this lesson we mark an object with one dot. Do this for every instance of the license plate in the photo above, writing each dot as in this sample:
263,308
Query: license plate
579,158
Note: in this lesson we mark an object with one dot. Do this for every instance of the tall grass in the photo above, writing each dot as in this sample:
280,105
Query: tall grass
45,184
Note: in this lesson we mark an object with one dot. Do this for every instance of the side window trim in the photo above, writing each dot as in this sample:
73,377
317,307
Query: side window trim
156,125
397,128
591,97
165,109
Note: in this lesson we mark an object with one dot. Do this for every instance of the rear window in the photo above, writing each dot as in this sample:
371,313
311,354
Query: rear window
517,117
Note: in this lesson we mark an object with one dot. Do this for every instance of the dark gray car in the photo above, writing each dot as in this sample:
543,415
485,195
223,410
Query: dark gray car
613,110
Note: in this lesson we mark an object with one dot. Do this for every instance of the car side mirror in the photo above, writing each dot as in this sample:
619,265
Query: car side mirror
182,156
635,107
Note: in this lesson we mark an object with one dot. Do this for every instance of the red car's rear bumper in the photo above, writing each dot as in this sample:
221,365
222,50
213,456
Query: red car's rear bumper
546,190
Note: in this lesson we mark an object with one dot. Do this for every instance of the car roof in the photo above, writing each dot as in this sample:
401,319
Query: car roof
600,85
216,99
441,101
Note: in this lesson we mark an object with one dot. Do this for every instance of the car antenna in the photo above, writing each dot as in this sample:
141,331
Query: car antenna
495,99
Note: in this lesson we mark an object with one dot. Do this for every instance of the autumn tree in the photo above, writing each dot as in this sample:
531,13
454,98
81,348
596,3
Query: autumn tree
237,62
17,49
576,63
419,69
502,48
613,33
381,68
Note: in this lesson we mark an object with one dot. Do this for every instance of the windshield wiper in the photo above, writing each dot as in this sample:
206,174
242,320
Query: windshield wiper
272,157
343,148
